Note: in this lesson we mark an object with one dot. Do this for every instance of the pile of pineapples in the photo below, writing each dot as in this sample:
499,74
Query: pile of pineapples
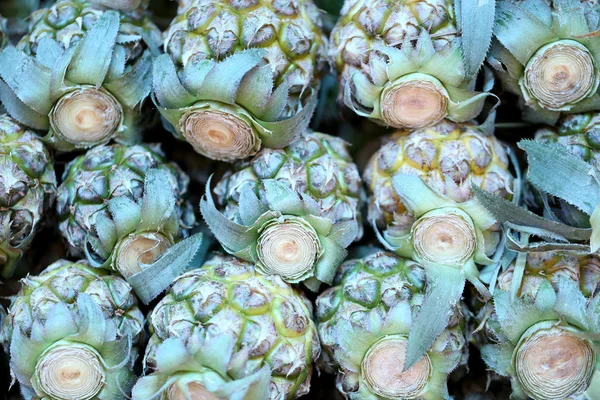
175,226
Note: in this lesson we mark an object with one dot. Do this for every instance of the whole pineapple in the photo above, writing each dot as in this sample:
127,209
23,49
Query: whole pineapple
226,331
27,189
297,208
539,330
240,75
422,201
103,59
72,333
122,207
546,52
364,323
410,64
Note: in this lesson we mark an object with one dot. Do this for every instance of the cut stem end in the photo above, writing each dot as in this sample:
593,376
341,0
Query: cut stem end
67,372
140,249
554,364
444,239
414,104
382,370
86,117
288,249
561,74
219,135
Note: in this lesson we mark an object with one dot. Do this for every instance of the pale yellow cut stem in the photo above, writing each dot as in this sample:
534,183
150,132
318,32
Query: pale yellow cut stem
382,370
445,239
86,116
218,135
288,249
554,364
414,104
560,75
196,391
143,249
70,373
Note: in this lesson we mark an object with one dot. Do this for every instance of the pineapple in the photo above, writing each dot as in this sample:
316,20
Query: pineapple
27,189
546,52
88,72
411,64
364,323
72,333
3,32
123,208
226,331
422,200
540,329
240,75
291,212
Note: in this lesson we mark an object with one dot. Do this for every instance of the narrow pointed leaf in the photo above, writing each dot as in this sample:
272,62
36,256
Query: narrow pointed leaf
476,27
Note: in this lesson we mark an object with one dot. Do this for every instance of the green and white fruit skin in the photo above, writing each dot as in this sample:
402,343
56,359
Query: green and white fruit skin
240,76
547,53
90,71
297,209
364,323
544,335
403,64
73,333
123,207
27,189
579,133
241,335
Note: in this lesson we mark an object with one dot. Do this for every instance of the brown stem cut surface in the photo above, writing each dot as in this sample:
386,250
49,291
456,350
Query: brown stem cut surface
414,104
143,249
446,239
196,391
382,370
218,135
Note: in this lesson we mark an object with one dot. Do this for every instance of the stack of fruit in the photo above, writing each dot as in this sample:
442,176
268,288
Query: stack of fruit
175,225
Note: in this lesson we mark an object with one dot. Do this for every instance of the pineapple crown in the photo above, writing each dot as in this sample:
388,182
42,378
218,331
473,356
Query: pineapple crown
152,226
28,187
562,48
55,89
84,329
524,326
448,239
236,94
283,233
197,369
373,303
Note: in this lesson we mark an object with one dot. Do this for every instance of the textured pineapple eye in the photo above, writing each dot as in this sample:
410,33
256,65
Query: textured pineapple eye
87,116
219,135
561,74
446,239
70,372
554,364
140,249
288,248
414,104
122,5
382,370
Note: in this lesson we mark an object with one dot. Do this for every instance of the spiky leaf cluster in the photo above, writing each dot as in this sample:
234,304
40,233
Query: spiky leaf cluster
375,298
81,74
379,46
556,69
72,305
27,189
232,322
